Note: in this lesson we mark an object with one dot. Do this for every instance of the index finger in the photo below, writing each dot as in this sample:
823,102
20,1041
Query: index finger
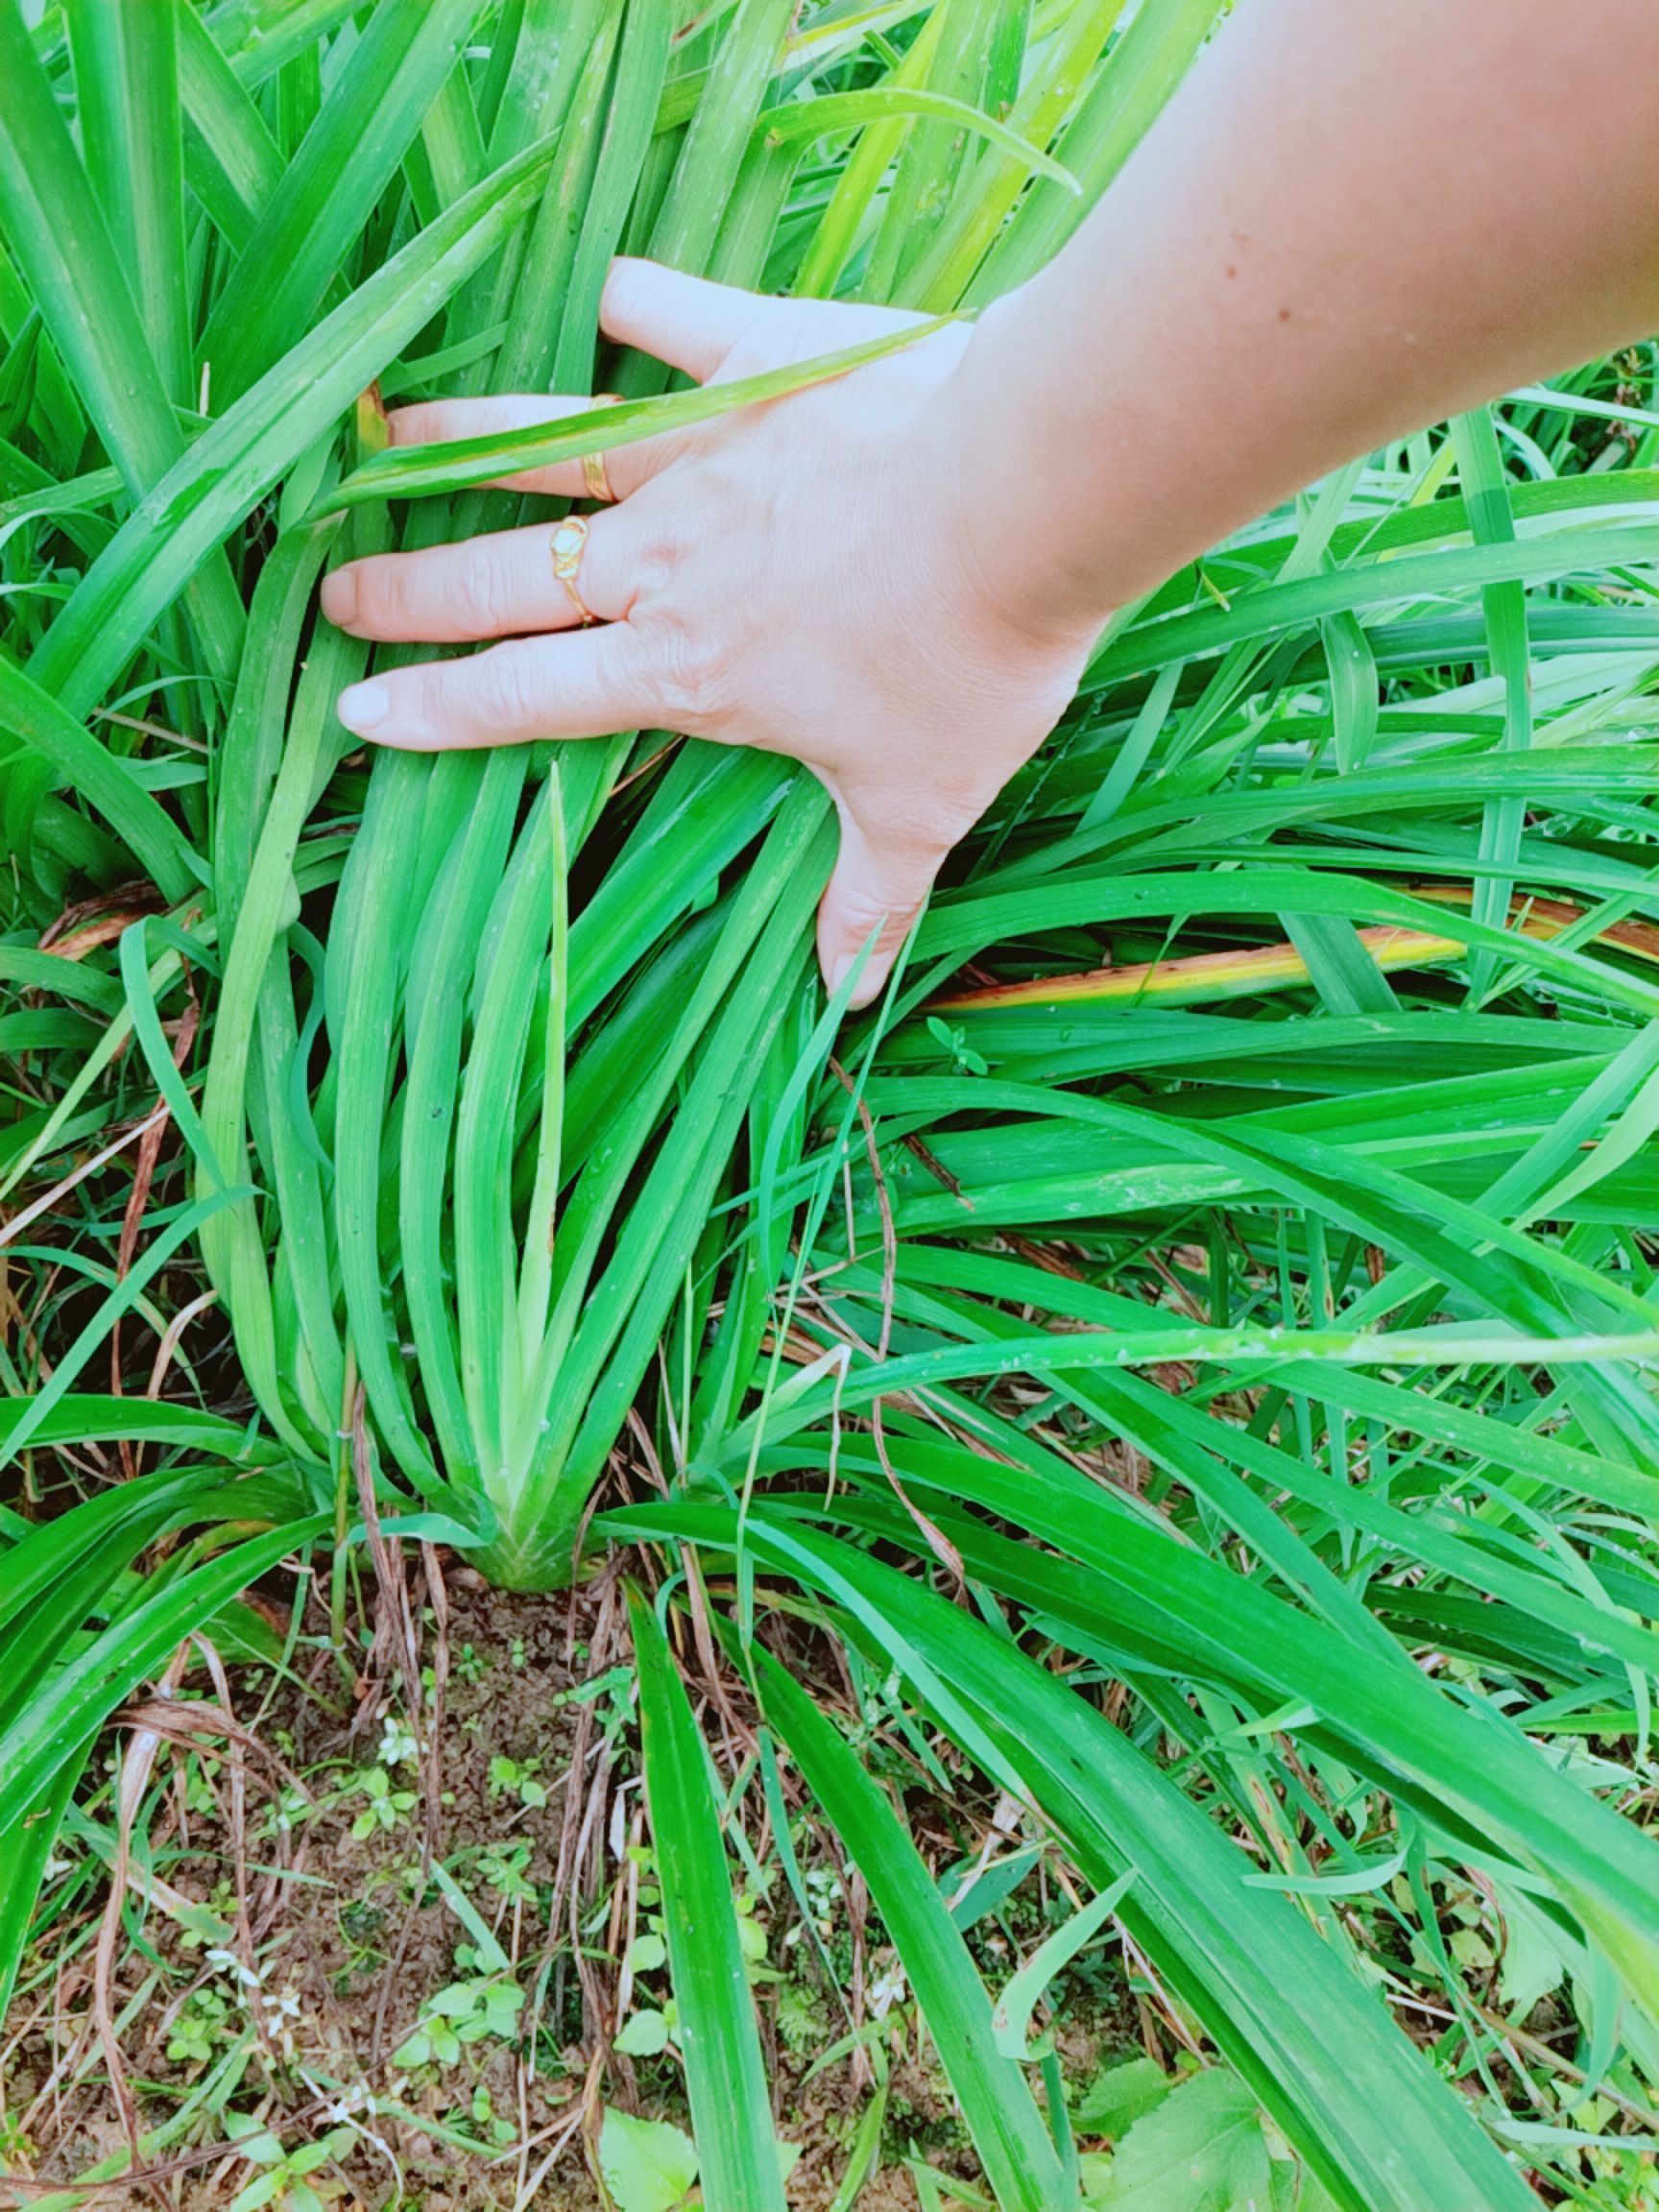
441,421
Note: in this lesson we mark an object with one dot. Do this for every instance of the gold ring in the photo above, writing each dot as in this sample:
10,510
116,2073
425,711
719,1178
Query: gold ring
568,545
595,478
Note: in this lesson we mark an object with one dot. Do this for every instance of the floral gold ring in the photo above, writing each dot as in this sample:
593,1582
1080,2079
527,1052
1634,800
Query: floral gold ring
569,541
595,478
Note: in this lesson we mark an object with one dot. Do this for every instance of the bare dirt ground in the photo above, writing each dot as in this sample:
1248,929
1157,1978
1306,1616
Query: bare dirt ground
355,1865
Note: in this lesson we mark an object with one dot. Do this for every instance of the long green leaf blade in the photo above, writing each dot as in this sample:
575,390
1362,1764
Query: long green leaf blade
725,2079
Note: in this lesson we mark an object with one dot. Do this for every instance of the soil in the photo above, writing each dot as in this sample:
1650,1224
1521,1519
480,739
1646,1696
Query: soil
344,1940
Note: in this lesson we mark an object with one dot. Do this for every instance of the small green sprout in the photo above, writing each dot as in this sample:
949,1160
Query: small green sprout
953,1039
201,2024
385,1808
285,2179
518,1778
466,2012
486,2117
504,1867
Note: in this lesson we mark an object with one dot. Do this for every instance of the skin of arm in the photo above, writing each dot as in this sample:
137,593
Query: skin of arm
1351,221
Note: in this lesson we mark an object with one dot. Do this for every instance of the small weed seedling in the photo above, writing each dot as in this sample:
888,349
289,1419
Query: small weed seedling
473,2009
383,1807
286,2179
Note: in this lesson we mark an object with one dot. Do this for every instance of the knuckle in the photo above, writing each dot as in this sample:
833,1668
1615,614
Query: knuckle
427,693
481,590
860,907
868,912
653,561
504,689
645,539
689,676
400,596
379,591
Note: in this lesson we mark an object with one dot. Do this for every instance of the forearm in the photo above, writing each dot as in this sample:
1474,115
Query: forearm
1352,221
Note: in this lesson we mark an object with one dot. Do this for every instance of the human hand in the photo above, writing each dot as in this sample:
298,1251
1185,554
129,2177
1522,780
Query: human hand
806,575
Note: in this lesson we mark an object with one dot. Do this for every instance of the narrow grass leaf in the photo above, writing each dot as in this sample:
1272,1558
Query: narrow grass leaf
724,2078
1020,2161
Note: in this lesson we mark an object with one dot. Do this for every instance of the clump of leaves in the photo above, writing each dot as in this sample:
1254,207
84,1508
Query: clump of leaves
1202,2145
385,1807
287,2181
478,2007
200,2026
518,1778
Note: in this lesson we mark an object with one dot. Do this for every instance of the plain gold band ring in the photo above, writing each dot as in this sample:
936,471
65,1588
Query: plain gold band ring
595,478
569,541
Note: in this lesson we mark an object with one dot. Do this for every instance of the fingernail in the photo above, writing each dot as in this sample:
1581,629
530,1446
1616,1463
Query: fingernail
340,595
364,707
840,968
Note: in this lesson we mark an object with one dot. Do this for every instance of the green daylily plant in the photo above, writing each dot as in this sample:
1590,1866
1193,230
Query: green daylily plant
513,1118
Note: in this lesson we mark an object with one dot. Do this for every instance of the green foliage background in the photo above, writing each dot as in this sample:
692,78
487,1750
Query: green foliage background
1268,1339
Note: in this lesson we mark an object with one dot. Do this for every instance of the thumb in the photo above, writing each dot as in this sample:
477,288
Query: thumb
689,321
876,889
